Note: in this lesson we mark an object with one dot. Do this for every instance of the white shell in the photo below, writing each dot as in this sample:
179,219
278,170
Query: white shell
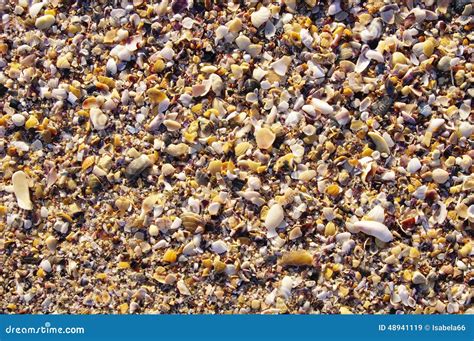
435,124
440,176
260,17
20,188
375,229
322,106
274,217
413,165
111,66
281,65
377,214
98,118
285,287
243,42
219,247
35,9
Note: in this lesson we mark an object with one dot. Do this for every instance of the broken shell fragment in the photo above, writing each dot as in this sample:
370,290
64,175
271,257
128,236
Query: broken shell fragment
379,142
98,118
296,258
260,17
265,138
375,229
20,188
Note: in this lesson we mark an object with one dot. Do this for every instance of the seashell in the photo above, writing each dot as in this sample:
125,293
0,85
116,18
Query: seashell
35,9
235,25
285,287
435,124
253,196
177,150
275,216
46,265
440,176
322,106
214,208
260,17
373,32
387,13
375,55
172,125
111,67
306,38
281,65
388,176
375,229
444,63
201,89
296,258
342,117
363,61
307,175
243,42
379,142
44,22
466,129
182,288
254,49
377,214
187,23
137,166
398,58
334,7
21,191
309,109
51,243
413,165
265,138
167,53
219,247
191,221
241,148
98,118
156,96
418,278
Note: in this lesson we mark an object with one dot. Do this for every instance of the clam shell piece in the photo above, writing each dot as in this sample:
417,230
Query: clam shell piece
20,188
98,118
380,142
322,106
260,17
265,138
281,65
191,221
375,229
274,217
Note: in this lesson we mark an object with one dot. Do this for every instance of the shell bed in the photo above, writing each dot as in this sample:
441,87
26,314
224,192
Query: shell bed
263,157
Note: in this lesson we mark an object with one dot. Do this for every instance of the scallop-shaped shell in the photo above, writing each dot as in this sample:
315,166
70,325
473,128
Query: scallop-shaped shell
260,17
241,148
191,221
